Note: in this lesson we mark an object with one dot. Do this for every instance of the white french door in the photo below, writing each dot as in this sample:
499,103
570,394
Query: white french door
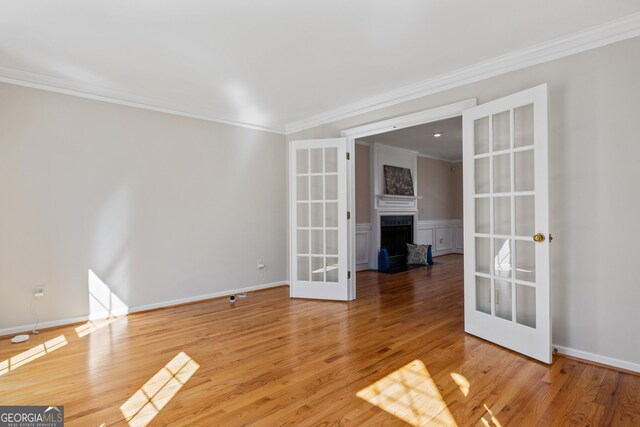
318,219
506,223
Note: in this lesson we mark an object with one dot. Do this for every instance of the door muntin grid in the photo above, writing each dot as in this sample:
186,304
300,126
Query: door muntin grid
504,197
316,215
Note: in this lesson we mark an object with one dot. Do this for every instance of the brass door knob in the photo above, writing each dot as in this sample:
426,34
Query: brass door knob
538,238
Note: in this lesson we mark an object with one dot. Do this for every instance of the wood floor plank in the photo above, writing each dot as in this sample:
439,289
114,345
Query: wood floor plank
268,360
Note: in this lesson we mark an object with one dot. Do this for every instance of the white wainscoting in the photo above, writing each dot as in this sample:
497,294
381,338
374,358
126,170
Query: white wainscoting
363,240
446,236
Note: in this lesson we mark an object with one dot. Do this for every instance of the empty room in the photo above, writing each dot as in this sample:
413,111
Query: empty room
319,213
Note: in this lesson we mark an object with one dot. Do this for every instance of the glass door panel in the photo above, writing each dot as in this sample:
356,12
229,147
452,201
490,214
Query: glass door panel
481,135
502,258
503,303
483,255
525,215
502,215
523,126
524,172
318,219
501,131
502,173
525,260
482,175
526,305
506,203
303,268
483,294
482,215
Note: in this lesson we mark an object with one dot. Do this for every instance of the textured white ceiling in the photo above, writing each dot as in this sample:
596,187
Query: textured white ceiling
420,138
270,63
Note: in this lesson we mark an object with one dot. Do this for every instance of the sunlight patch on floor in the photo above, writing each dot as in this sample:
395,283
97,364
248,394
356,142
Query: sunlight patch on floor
145,403
492,421
32,354
94,325
462,382
411,395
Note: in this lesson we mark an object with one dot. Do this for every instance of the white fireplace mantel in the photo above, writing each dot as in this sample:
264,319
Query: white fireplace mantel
390,204
392,156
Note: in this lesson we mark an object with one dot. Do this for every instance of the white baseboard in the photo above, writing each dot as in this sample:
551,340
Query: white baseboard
42,325
592,357
205,297
138,308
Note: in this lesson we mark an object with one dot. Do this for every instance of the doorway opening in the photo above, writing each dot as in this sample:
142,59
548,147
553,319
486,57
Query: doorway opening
429,145
505,212
430,214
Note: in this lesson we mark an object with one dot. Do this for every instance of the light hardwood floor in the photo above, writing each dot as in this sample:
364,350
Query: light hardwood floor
268,360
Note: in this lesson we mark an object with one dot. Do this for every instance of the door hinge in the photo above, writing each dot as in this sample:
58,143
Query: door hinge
348,156
348,275
348,215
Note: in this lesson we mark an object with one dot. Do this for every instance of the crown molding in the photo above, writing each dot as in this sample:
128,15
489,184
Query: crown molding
442,159
610,32
594,37
98,93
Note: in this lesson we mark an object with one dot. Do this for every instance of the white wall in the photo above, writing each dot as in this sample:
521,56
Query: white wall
160,207
594,169
438,189
362,184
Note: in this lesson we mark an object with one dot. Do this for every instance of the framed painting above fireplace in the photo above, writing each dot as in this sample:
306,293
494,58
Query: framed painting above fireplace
398,181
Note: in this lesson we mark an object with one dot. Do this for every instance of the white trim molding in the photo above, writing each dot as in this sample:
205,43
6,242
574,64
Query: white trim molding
138,308
363,239
597,358
442,159
610,32
420,117
97,93
409,120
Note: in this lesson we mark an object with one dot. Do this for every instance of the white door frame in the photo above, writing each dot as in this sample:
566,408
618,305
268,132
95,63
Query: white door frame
395,123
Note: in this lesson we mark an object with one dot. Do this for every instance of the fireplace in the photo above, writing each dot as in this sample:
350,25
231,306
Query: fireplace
395,232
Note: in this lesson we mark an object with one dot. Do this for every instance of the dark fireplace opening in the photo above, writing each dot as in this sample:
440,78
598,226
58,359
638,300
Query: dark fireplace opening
395,232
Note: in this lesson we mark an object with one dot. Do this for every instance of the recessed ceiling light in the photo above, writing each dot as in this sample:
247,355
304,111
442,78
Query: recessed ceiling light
437,135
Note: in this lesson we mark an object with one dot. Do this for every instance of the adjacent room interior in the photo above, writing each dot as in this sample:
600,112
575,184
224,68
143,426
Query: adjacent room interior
295,213
432,153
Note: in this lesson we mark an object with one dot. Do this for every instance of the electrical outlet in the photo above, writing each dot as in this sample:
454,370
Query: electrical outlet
38,292
260,264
